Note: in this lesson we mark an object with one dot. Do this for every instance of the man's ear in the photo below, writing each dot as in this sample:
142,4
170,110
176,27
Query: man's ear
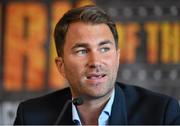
60,65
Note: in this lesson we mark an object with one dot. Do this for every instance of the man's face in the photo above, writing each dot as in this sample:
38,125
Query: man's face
90,60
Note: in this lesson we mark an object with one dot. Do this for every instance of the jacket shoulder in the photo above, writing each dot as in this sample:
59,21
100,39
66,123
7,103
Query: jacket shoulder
141,93
60,95
42,110
150,107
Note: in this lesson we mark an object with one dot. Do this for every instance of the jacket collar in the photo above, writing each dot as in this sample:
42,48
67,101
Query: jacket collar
118,113
67,116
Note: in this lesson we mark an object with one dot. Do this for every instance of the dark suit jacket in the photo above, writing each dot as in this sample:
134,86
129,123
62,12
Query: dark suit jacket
132,105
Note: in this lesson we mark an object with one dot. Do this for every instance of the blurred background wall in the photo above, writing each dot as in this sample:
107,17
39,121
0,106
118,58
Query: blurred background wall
149,38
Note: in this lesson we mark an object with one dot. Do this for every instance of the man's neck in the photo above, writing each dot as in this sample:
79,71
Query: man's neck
91,109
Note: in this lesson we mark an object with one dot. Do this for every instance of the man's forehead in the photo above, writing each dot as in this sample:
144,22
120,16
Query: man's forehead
86,24
82,34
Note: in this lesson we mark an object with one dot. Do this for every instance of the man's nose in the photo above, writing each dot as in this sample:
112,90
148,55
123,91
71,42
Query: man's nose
94,60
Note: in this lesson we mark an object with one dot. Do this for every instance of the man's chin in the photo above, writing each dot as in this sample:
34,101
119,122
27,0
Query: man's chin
97,95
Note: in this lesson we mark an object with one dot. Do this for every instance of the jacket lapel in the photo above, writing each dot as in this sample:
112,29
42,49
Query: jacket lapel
118,112
67,116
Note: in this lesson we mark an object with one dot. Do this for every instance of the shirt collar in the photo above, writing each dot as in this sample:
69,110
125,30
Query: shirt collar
104,116
75,115
107,108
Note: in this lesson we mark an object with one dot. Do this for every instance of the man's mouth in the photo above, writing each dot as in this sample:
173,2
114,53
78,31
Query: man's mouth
95,76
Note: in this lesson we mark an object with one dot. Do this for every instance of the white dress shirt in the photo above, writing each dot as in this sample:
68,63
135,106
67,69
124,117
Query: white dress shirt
104,116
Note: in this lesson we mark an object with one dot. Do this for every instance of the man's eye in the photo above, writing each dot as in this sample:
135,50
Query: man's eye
81,52
105,49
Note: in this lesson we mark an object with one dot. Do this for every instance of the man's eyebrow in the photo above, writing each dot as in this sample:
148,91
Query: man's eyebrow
86,45
80,44
105,42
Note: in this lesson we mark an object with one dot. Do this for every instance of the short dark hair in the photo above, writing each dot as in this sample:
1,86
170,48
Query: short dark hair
88,14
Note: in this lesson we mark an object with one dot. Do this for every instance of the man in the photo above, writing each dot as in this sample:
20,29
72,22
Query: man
88,57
